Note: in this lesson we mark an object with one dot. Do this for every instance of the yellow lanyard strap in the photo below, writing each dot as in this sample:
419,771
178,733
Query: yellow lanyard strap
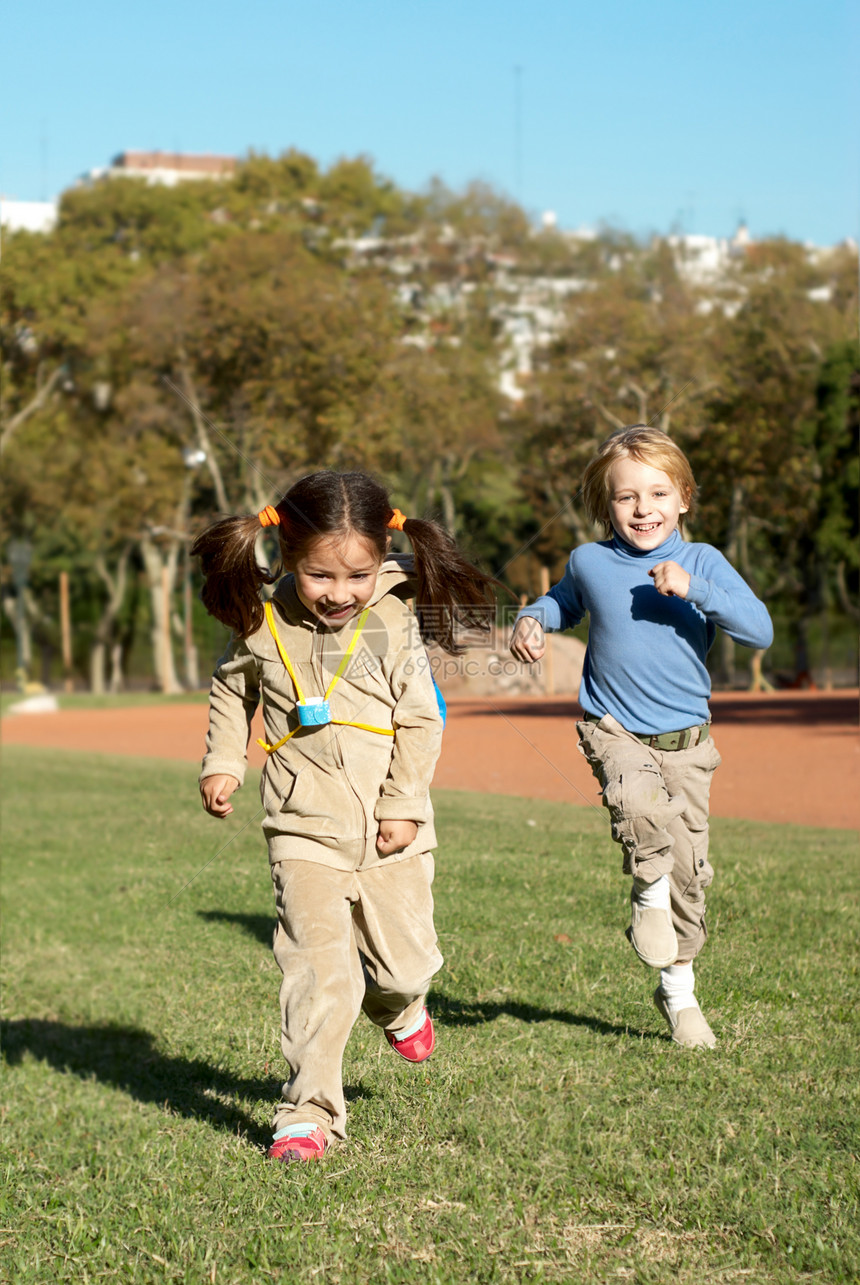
346,655
270,619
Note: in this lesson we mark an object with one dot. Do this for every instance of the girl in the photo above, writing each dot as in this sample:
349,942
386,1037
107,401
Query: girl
352,734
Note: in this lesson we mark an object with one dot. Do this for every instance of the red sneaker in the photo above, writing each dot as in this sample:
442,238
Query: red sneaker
309,1147
417,1047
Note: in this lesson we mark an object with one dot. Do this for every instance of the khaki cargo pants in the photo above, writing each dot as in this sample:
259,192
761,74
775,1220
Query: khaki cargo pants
658,803
346,941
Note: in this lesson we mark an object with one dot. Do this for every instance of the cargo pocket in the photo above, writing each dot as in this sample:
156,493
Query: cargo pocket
636,791
702,875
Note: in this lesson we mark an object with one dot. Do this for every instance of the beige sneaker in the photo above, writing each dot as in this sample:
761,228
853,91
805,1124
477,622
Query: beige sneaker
651,933
688,1026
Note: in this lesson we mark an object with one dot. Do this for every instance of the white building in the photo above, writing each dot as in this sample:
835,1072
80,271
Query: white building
28,216
704,260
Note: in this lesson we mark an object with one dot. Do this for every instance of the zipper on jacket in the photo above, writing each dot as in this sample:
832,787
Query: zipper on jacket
319,656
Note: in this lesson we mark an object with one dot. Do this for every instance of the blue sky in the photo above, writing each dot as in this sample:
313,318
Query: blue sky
646,115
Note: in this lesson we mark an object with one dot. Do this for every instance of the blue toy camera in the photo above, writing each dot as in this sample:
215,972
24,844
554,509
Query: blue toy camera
314,712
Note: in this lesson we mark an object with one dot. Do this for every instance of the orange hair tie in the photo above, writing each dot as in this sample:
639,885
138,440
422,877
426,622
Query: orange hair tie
269,516
395,522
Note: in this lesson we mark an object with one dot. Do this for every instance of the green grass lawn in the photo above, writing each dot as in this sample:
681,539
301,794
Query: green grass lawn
556,1135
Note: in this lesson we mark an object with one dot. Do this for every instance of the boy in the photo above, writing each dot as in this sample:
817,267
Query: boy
654,603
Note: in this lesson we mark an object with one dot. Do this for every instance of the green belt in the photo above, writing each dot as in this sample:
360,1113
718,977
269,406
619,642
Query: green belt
683,740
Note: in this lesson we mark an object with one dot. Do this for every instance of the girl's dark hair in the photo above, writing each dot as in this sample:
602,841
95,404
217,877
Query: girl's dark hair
450,591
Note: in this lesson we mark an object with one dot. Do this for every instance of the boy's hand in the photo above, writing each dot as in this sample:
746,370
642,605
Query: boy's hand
527,641
394,835
215,792
670,579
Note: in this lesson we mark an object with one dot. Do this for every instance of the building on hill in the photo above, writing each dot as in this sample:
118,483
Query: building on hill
703,260
28,216
167,168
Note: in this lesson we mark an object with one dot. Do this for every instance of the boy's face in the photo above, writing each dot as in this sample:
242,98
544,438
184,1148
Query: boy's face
644,503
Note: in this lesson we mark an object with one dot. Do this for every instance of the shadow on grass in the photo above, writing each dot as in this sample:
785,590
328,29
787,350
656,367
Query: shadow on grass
262,927
446,1011
127,1058
453,1012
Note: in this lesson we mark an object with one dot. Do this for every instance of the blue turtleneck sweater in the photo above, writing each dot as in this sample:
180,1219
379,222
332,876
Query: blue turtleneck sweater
645,661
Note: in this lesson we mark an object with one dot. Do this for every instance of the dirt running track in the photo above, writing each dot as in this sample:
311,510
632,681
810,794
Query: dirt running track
791,757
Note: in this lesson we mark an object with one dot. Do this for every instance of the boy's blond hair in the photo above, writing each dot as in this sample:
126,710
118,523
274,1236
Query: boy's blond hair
647,445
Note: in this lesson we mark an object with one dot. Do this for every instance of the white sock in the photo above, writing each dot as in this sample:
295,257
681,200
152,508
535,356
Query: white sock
676,983
413,1029
295,1131
653,895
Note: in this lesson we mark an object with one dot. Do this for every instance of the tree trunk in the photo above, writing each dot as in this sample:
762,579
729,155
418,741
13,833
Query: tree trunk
564,509
758,682
449,512
802,670
850,608
192,667
160,564
127,631
66,632
97,668
105,634
117,677
731,550
17,614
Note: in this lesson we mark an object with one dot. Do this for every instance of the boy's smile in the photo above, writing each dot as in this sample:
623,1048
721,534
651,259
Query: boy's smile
336,578
644,503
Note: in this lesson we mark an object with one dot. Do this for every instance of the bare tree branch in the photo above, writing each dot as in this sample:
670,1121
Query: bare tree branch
35,404
699,391
203,439
850,608
641,397
608,416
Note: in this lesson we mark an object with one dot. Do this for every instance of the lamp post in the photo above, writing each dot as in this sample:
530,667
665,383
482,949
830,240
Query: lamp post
20,557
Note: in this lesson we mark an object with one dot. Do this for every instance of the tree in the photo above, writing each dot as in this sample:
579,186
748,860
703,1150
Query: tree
633,350
757,457
836,528
448,408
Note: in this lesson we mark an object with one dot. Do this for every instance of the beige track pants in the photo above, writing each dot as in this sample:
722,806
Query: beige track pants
346,942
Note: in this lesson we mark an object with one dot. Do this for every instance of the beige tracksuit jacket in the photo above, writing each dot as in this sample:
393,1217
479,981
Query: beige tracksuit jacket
326,790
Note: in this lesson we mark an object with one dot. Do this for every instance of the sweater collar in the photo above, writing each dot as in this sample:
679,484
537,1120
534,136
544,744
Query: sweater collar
668,549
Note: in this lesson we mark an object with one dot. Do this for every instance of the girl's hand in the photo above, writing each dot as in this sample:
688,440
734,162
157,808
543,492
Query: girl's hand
215,792
394,835
527,641
670,579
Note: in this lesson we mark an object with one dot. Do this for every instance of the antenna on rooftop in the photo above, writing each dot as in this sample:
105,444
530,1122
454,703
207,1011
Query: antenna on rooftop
43,159
518,132
690,213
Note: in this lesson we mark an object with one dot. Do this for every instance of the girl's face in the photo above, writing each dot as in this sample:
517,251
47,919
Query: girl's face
644,503
336,577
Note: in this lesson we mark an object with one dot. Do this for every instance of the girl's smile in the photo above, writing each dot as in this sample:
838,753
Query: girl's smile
644,503
336,578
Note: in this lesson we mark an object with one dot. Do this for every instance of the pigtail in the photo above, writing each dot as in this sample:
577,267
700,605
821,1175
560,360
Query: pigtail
450,591
234,578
